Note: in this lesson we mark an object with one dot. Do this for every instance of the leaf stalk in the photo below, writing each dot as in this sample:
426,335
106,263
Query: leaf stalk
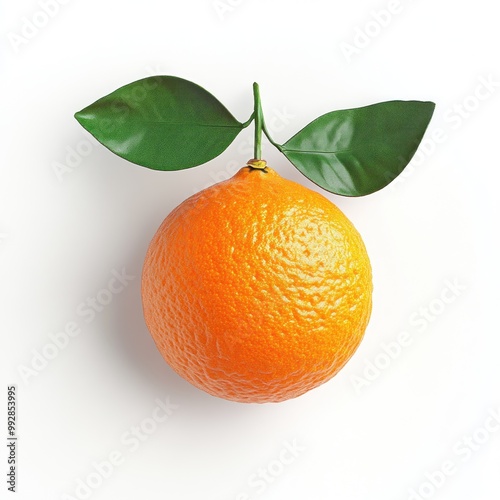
257,112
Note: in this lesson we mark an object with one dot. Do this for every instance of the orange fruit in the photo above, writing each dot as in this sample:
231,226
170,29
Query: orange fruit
257,289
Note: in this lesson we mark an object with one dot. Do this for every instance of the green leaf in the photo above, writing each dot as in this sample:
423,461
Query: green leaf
355,152
162,122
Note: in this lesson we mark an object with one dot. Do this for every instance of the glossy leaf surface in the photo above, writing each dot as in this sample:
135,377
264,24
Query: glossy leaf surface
161,122
355,152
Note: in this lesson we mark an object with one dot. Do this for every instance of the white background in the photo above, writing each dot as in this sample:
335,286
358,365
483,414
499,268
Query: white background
383,426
